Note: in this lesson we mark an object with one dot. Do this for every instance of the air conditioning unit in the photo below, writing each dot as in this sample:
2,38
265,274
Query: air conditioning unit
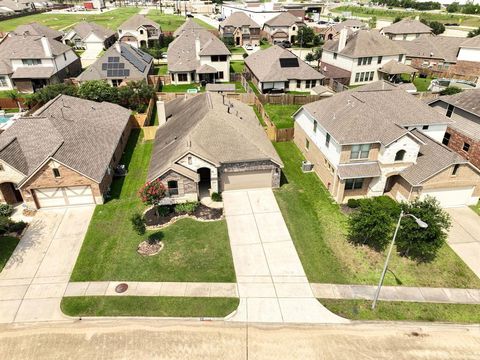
307,166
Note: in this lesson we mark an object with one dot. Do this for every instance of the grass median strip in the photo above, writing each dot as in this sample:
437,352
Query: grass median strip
406,311
148,306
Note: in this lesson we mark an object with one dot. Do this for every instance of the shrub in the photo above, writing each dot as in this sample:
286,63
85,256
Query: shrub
17,226
353,203
163,210
451,90
138,224
4,224
188,207
152,192
6,210
216,196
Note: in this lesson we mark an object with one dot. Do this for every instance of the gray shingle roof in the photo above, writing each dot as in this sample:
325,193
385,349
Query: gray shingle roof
35,28
433,158
266,66
28,47
201,125
430,46
473,42
407,26
284,19
188,25
393,67
34,72
364,43
359,170
181,51
239,19
379,112
84,29
79,133
136,21
135,60
349,24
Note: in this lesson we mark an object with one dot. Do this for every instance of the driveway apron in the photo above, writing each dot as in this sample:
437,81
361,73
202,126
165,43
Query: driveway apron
34,279
272,284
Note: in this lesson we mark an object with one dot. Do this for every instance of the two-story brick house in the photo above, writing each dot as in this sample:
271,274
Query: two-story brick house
241,28
283,27
139,31
463,135
379,140
406,29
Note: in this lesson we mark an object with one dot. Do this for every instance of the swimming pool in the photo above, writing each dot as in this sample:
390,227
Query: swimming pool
5,118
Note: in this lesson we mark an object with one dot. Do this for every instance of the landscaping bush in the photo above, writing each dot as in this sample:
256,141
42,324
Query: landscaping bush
138,223
419,244
6,210
152,192
163,210
17,226
5,223
451,90
353,203
188,207
216,196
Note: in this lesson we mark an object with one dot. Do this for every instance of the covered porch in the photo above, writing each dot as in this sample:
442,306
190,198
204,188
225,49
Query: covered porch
206,74
354,180
392,71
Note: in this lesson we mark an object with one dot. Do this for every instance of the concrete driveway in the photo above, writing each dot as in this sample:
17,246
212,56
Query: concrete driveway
464,236
33,281
272,284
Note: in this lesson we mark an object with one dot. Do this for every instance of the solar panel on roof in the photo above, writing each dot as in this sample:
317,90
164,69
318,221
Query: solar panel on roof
286,63
132,59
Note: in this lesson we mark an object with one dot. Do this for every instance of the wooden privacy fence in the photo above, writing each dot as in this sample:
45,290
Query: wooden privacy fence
287,99
273,133
149,132
141,120
7,103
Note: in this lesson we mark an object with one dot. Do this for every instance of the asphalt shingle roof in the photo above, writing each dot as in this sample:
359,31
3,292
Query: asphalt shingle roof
203,126
473,42
136,21
35,28
28,47
431,46
239,19
359,170
84,29
188,25
283,19
407,26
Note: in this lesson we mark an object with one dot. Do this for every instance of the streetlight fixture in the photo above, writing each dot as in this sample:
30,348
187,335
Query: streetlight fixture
422,224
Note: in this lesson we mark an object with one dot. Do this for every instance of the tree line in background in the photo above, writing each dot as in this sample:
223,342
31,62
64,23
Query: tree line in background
468,8
134,96
410,4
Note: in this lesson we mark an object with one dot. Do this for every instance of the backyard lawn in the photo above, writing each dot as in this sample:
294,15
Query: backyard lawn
148,306
111,19
237,66
281,115
318,230
194,251
161,69
7,246
180,88
170,22
398,310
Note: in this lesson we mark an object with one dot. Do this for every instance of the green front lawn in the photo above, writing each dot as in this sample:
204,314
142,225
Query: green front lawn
281,115
161,69
237,66
180,88
318,229
111,19
7,246
398,310
194,251
148,306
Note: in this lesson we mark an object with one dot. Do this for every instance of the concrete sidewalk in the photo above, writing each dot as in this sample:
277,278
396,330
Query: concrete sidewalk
397,293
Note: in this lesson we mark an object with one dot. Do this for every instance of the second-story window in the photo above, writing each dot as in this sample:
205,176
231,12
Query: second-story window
334,56
379,61
31,62
56,173
327,140
315,125
450,110
400,155
360,151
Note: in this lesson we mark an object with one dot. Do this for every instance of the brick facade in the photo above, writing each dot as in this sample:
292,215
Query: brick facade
457,141
185,185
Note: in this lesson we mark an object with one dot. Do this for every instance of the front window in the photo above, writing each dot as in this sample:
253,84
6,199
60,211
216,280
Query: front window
354,184
299,84
327,140
446,138
116,82
182,77
31,62
220,75
3,81
400,155
400,58
172,187
379,60
466,147
360,151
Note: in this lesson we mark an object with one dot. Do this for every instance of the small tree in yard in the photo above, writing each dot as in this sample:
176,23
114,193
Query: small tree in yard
98,90
138,223
305,36
152,193
422,245
15,96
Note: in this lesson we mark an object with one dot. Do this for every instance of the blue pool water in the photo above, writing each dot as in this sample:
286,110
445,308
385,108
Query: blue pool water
5,118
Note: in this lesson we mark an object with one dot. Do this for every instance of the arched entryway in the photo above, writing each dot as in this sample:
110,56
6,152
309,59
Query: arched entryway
205,181
10,193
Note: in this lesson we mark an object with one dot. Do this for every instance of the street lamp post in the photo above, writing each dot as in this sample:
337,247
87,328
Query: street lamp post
421,224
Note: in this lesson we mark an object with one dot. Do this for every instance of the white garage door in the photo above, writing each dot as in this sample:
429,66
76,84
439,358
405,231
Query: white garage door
247,180
64,196
451,197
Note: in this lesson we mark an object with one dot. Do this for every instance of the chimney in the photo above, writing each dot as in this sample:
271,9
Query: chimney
46,47
197,47
161,115
342,40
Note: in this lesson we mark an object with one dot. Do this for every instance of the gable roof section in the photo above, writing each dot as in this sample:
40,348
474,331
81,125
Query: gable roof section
473,42
133,64
79,133
431,46
379,112
201,125
134,22
84,29
284,19
349,24
37,29
364,43
189,25
239,19
407,26
29,47
266,65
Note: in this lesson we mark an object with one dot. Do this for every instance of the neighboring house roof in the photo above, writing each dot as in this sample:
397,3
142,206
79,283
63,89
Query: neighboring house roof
433,157
29,47
283,19
219,87
279,64
407,26
33,72
35,28
239,19
84,29
181,52
364,43
473,42
431,46
379,112
189,25
136,21
349,24
120,61
359,170
393,67
334,72
78,133
191,124
14,5
320,89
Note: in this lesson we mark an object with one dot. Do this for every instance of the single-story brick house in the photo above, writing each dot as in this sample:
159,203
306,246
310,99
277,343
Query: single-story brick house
64,154
208,144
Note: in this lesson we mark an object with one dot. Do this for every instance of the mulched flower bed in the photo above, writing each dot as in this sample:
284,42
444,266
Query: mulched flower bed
201,213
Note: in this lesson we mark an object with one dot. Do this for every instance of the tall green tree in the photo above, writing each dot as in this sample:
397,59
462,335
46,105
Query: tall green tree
98,90
305,36
473,33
